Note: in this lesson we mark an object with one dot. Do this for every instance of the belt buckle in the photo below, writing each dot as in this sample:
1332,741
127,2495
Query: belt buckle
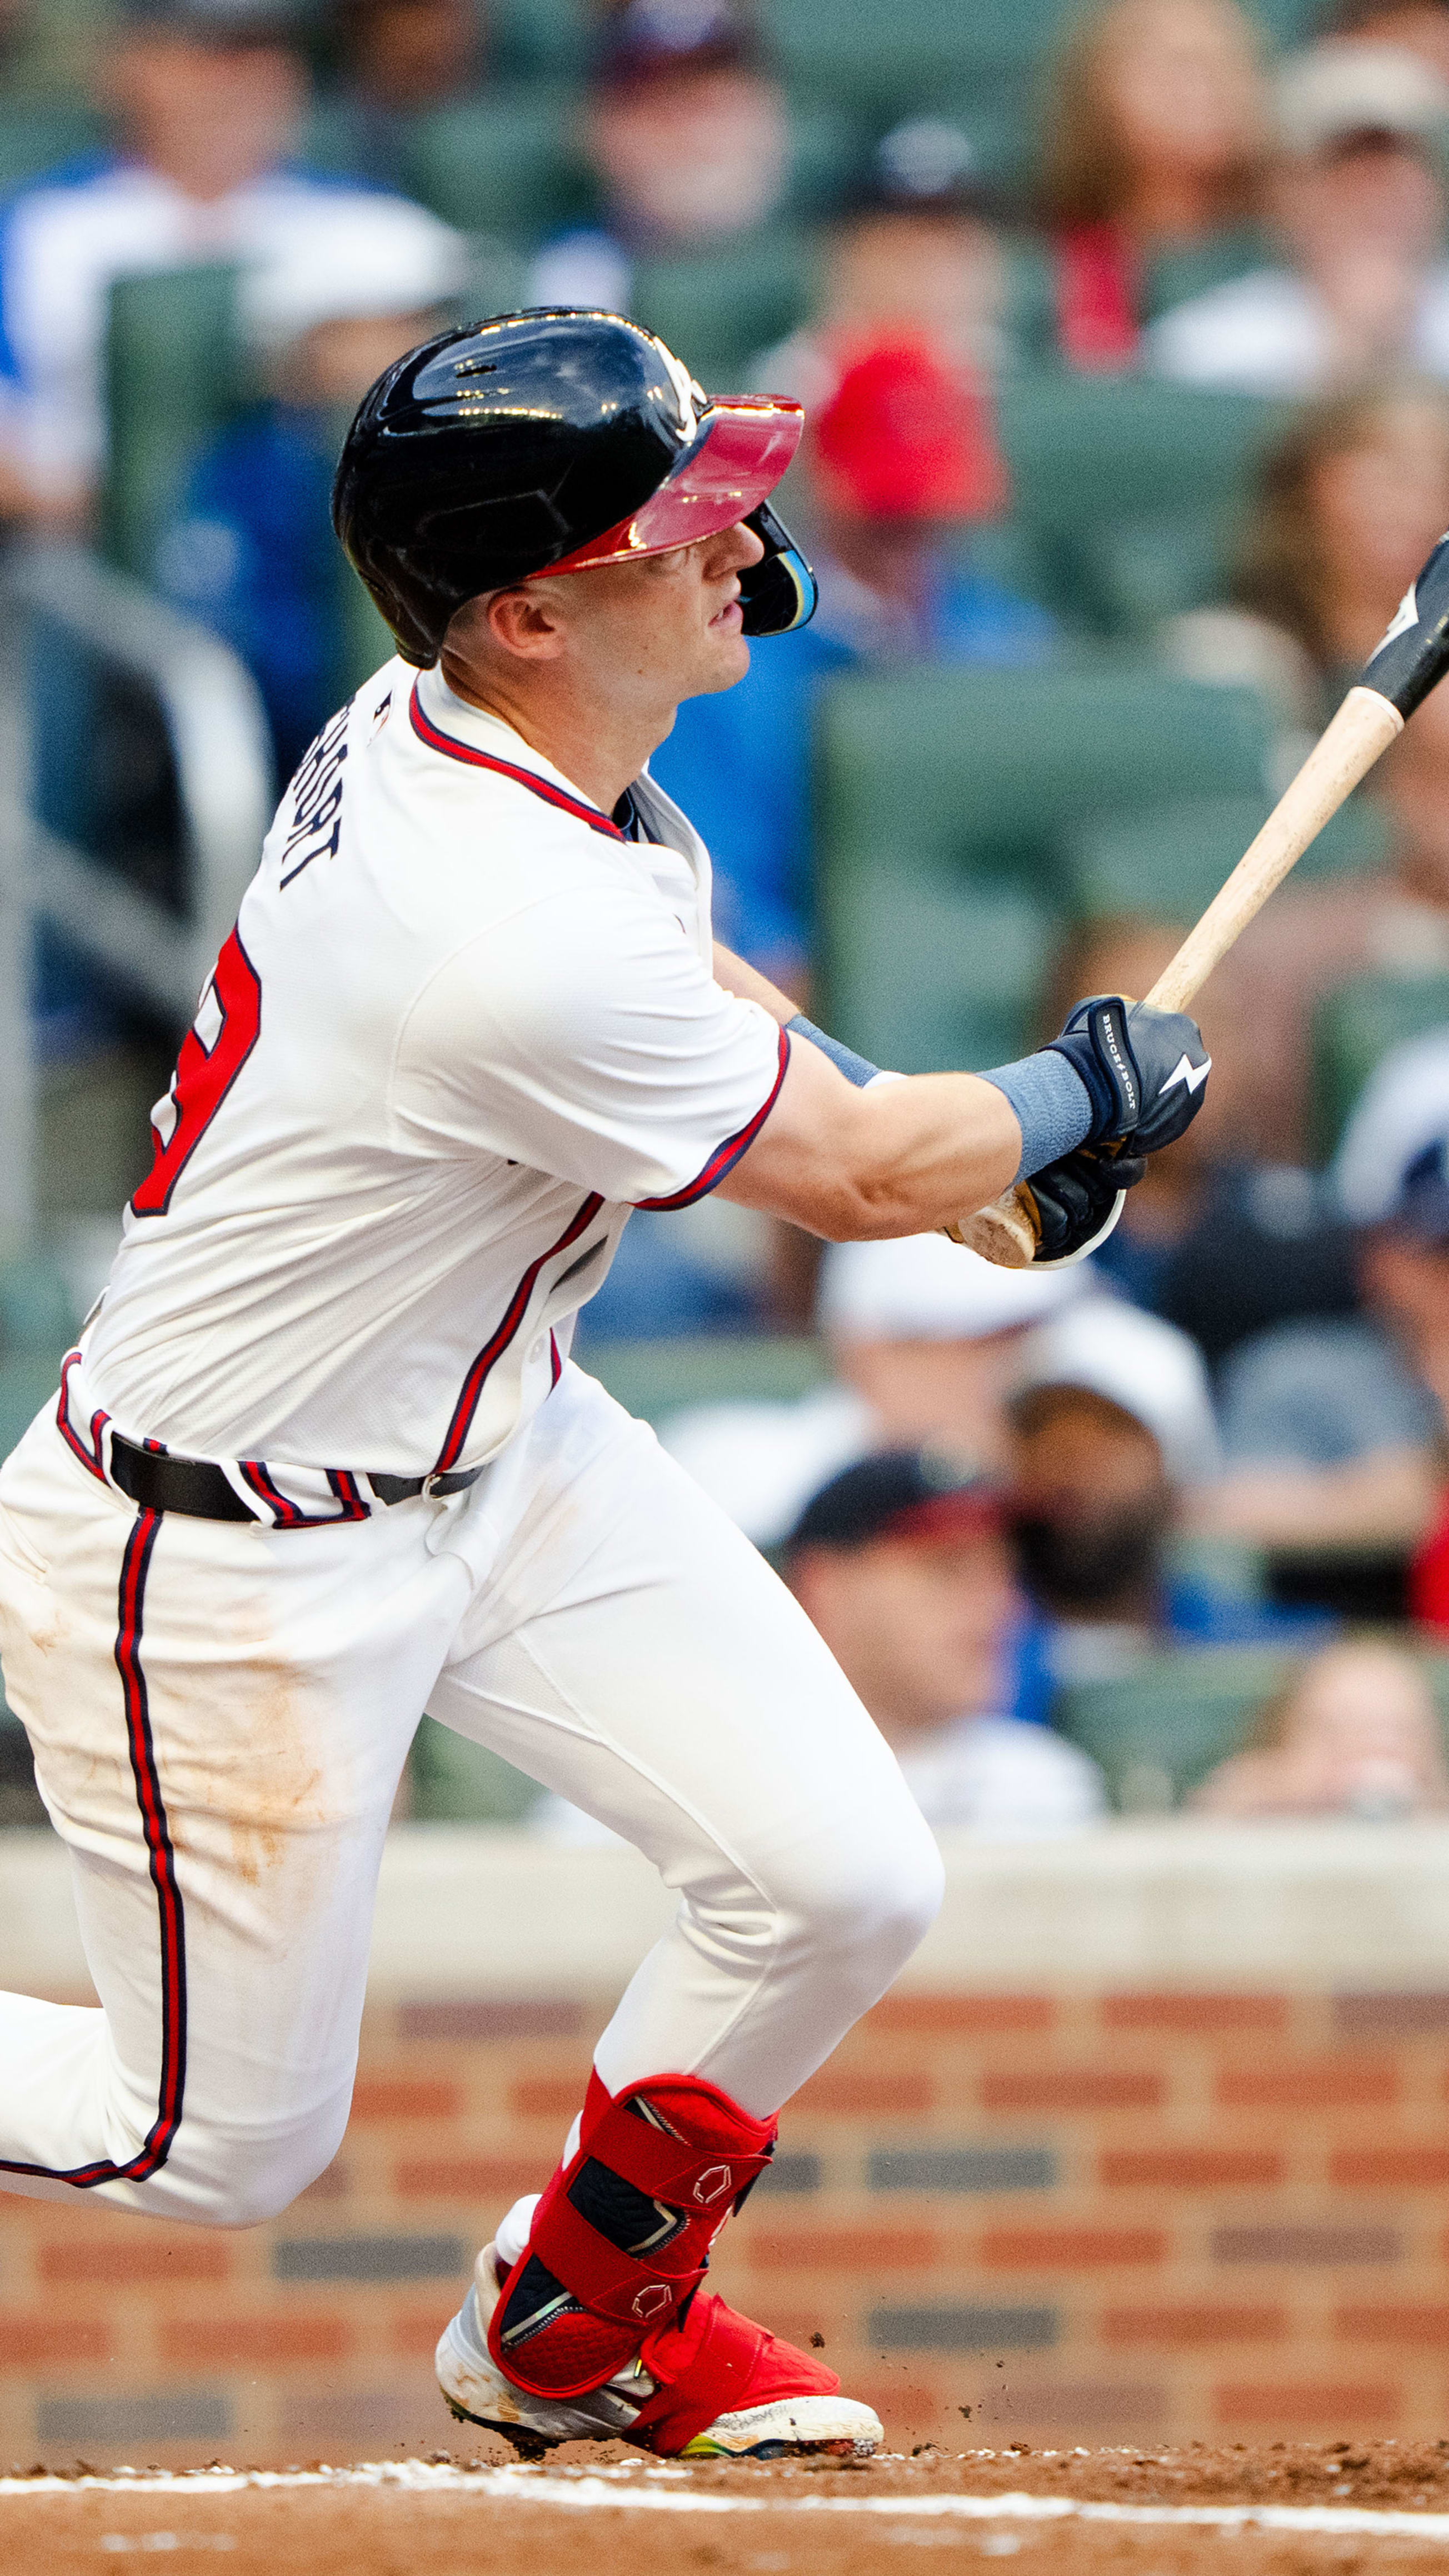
434,1485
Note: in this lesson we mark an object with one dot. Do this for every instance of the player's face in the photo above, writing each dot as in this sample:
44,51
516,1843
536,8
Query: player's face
669,626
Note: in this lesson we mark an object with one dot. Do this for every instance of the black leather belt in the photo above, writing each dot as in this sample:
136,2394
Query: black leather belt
196,1486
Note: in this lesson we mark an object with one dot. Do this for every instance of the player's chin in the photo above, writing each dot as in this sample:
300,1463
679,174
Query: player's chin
726,654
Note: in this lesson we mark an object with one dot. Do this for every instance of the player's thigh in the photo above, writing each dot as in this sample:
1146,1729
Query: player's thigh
633,1652
219,1715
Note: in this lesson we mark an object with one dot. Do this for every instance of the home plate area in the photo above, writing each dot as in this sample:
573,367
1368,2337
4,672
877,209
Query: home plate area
1289,2510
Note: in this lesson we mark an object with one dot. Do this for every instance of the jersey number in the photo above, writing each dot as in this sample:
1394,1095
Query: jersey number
213,1051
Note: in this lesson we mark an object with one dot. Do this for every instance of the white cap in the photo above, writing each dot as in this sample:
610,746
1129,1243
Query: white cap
366,255
924,1288
1149,1368
1332,90
1402,1108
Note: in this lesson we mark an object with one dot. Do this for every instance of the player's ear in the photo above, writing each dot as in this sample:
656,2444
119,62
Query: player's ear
525,621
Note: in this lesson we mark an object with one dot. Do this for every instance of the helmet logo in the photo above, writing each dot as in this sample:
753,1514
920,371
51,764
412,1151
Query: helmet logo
652,2301
712,2182
684,385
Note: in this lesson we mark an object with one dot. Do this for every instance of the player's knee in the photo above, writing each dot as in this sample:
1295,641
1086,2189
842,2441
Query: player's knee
242,2181
880,1894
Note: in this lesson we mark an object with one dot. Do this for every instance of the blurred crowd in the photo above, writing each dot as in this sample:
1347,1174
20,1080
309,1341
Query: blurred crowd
1229,1436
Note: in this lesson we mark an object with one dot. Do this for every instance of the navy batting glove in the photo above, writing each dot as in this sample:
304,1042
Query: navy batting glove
1143,1070
1074,1200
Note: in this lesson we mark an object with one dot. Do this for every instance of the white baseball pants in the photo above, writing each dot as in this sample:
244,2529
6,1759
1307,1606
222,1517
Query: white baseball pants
220,1713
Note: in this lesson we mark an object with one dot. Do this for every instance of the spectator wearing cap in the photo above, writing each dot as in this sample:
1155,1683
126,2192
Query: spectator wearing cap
902,1564
901,460
1413,26
687,136
1112,1429
1334,1432
1356,202
207,97
1154,132
250,552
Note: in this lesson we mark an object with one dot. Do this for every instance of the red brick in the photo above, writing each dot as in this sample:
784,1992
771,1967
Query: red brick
845,2249
27,2341
971,2015
221,2343
1071,2249
549,2097
1189,2168
1073,2088
1311,2402
467,2177
144,2258
1393,2325
1309,2084
1190,2013
1186,2326
1391,2168
1400,2015
838,2090
406,2097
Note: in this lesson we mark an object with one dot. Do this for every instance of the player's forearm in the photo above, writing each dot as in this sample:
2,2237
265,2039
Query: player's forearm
855,1166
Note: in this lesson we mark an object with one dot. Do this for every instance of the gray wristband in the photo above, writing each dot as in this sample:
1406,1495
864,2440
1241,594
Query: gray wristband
1051,1105
855,1067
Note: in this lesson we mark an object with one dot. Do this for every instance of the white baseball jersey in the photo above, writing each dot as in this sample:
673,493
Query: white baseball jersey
463,1026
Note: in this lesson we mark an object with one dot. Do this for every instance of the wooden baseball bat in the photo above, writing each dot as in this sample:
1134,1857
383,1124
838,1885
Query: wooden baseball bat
1397,677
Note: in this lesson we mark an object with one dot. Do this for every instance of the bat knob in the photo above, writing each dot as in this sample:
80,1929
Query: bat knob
1002,1233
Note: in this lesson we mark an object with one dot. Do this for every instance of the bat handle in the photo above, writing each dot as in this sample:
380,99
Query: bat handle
1358,734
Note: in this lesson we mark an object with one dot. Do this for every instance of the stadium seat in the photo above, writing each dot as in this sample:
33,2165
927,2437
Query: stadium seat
541,38
720,308
1170,859
946,798
1161,1730
174,374
1357,1025
1129,488
41,135
502,163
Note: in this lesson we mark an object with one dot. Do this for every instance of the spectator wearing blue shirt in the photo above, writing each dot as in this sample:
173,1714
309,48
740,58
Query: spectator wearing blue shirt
901,459
250,552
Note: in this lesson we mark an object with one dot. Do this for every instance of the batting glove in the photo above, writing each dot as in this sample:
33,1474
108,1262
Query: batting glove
1075,1202
1143,1070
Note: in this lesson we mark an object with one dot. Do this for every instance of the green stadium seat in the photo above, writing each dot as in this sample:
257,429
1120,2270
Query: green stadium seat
1170,859
502,163
40,135
174,374
1160,1731
945,801
655,1379
452,1781
536,39
720,308
1129,488
1355,1026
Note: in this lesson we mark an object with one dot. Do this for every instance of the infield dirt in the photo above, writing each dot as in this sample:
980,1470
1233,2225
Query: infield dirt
595,2509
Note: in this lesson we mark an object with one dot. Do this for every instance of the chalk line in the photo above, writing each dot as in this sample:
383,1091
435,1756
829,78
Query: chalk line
666,2489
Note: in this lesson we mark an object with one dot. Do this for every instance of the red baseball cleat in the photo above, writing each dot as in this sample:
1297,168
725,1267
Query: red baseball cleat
712,2384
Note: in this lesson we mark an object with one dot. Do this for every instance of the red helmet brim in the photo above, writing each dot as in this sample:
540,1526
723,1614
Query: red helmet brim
742,449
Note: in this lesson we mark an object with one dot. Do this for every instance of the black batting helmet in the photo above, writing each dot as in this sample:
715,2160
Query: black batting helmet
542,442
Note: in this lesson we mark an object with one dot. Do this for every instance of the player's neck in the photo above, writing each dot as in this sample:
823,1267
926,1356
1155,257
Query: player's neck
597,747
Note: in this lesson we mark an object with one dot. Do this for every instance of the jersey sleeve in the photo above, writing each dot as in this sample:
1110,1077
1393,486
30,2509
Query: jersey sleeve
585,1038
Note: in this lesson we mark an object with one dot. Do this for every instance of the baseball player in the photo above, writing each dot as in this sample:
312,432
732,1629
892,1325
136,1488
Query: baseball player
321,1460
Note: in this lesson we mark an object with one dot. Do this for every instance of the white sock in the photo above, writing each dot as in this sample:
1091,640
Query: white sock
512,2234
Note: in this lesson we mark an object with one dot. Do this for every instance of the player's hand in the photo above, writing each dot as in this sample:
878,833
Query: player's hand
1143,1070
1073,1202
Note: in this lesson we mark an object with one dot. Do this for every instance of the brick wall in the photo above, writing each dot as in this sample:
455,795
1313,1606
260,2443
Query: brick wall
1116,2216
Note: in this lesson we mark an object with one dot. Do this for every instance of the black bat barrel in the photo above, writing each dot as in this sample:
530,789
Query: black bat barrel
1415,652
